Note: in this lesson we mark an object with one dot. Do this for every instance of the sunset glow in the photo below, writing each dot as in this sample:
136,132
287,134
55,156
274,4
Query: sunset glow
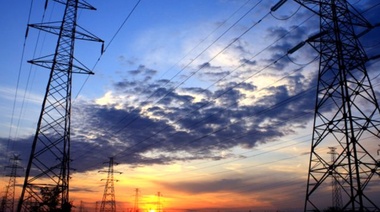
198,102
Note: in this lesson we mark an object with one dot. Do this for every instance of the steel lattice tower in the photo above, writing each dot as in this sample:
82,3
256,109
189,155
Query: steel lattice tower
346,113
136,205
159,204
336,191
7,203
81,207
108,202
46,184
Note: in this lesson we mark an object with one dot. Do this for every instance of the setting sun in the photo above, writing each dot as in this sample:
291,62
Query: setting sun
190,106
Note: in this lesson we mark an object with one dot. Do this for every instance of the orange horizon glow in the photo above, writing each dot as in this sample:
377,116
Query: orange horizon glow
171,180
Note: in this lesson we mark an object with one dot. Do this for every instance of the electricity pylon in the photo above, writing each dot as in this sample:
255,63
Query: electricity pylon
108,202
46,184
81,207
346,112
7,203
159,204
96,206
336,191
136,205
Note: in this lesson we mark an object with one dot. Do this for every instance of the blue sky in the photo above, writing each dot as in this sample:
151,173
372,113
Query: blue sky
197,87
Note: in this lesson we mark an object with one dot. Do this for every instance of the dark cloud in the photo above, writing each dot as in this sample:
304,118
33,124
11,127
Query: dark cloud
275,188
242,46
199,187
286,38
185,124
125,61
142,70
368,9
81,189
21,147
248,62
156,124
210,72
207,65
213,75
176,124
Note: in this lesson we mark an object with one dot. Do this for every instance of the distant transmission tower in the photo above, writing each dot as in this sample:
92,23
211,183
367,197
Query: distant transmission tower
46,184
81,207
136,205
96,206
7,203
346,112
159,204
336,192
108,202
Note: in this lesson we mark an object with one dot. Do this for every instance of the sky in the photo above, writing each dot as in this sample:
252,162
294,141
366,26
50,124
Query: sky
195,99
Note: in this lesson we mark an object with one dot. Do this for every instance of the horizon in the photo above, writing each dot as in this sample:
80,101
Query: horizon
198,100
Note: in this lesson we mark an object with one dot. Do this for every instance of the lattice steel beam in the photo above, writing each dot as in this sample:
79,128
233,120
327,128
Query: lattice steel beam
46,184
347,114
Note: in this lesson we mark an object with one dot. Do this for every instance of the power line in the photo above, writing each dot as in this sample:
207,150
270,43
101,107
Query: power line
236,69
19,77
204,136
244,158
210,60
201,68
216,131
188,64
286,18
197,56
105,49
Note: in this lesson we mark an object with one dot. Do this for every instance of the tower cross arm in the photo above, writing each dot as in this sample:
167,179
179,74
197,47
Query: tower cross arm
47,62
81,4
55,28
357,18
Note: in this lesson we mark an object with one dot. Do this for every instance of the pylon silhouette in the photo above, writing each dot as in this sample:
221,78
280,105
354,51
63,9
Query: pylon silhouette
81,207
136,205
346,112
159,204
46,184
108,201
7,203
336,191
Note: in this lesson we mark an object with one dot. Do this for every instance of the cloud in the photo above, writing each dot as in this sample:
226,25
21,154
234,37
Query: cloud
144,121
8,94
180,122
81,189
142,70
287,38
208,186
275,189
248,62
21,146
148,122
207,65
259,184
